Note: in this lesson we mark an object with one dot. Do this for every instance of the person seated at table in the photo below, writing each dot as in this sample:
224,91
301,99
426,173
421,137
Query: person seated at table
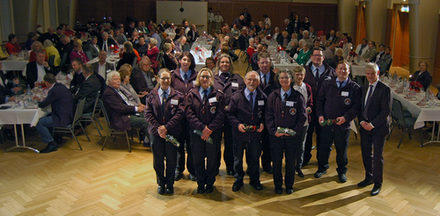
125,73
123,113
128,55
304,53
168,60
102,66
78,78
12,47
91,48
422,75
153,52
384,61
142,78
36,47
52,51
32,37
36,70
78,52
105,42
141,46
88,89
61,101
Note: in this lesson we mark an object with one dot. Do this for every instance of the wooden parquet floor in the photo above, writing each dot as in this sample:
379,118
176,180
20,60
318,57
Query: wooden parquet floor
115,182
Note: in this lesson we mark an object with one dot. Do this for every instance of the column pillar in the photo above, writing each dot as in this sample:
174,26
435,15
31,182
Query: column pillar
423,19
346,9
72,12
375,20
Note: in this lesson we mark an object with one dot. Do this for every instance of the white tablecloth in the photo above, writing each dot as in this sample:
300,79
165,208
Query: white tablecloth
21,116
357,70
16,64
288,66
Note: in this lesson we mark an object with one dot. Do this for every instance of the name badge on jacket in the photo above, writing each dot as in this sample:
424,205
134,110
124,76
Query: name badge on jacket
234,85
212,100
174,102
260,102
290,103
344,93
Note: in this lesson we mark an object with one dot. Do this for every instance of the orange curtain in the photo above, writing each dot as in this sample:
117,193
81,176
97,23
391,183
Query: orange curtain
361,29
436,74
399,37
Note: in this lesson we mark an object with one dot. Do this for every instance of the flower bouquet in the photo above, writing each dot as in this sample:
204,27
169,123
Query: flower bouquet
209,140
286,131
172,140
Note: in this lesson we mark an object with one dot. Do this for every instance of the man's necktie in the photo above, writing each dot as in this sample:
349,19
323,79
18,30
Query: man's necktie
164,100
251,99
185,78
205,96
285,96
370,92
317,73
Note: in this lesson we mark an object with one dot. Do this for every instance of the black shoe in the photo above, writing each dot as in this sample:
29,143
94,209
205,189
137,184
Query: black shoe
365,183
237,185
289,190
278,190
192,177
230,172
178,176
170,190
209,189
305,163
320,173
146,144
268,170
376,189
201,189
342,177
52,146
161,190
300,173
256,185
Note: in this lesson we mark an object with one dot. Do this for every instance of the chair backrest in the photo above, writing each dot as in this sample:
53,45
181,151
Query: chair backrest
397,112
96,102
104,112
89,54
78,111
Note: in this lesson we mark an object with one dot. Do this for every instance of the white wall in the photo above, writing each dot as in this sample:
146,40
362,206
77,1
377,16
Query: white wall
195,12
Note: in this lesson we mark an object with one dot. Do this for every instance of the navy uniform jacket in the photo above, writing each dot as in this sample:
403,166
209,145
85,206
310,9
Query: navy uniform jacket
200,115
288,114
316,83
179,84
117,110
240,112
232,85
271,85
61,101
378,110
334,102
171,117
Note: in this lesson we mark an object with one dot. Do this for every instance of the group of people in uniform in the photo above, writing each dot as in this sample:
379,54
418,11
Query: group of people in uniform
266,115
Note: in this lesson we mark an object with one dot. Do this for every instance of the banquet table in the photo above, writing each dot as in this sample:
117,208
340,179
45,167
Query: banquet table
14,64
426,113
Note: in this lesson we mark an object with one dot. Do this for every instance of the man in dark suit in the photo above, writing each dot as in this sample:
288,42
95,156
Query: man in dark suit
101,68
36,70
267,85
374,120
121,112
316,72
142,78
88,89
61,101
105,43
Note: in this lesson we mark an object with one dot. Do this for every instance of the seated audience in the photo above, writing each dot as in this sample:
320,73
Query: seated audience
12,46
36,47
143,79
422,75
88,89
52,51
36,70
102,66
78,52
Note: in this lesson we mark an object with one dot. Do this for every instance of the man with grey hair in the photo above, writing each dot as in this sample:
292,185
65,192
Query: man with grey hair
375,121
122,113
246,116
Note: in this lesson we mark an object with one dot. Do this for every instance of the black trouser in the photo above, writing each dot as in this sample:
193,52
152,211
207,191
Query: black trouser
206,171
253,151
339,136
228,152
300,155
289,146
372,149
266,158
185,143
164,150
313,125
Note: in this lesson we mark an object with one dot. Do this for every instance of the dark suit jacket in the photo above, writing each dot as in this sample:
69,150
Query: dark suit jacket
424,78
88,90
378,109
109,43
271,85
32,73
117,110
315,83
137,80
61,101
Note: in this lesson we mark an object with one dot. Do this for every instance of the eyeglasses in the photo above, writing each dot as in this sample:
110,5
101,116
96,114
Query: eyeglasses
284,78
317,55
205,77
165,78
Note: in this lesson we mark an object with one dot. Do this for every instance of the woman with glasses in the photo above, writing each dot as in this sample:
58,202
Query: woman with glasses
204,112
164,114
285,117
